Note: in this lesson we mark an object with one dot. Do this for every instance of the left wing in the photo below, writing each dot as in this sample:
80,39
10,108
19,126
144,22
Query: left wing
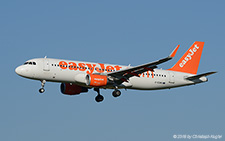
123,75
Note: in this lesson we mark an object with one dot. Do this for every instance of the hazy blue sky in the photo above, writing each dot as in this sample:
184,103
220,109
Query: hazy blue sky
121,32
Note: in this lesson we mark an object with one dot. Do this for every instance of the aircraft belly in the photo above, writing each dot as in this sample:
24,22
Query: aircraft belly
148,83
59,76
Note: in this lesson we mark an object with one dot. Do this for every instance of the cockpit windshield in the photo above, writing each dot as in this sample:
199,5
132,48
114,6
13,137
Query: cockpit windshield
29,63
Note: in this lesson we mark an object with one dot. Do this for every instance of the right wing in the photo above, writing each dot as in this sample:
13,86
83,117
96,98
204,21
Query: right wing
123,75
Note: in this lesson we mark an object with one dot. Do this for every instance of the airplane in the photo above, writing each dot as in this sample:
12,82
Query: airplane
78,76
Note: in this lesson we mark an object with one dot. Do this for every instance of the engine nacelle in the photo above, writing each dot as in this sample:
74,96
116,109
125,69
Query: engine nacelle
96,80
72,89
80,78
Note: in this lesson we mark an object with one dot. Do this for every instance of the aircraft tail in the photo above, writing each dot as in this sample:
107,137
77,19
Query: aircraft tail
189,62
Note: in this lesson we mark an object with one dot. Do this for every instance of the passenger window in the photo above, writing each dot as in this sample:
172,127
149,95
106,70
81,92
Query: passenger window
34,63
30,63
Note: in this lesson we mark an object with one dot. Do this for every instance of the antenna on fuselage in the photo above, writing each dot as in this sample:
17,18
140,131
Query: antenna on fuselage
45,57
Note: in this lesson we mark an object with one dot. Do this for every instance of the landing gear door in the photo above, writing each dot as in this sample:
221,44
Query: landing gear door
46,66
171,78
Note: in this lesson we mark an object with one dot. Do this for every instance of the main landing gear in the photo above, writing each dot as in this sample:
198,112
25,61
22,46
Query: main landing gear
116,93
99,97
42,90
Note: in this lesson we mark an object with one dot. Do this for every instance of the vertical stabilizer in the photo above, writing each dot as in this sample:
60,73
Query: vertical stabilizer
189,62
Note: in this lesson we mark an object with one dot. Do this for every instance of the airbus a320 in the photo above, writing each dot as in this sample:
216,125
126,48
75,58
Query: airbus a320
78,76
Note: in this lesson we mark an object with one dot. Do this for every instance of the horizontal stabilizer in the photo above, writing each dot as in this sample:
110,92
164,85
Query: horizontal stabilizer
200,75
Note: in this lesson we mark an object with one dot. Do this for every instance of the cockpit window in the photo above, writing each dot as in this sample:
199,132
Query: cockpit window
30,63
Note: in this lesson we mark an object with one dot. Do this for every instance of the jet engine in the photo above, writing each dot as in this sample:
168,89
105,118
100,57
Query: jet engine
72,89
96,80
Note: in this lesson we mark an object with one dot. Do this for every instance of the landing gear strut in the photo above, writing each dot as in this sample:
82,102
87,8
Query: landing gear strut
41,90
99,97
116,93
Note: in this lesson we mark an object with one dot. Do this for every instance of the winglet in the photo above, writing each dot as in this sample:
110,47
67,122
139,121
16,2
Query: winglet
174,51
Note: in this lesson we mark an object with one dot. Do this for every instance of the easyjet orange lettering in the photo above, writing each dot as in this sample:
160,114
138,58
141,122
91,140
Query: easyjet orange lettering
87,66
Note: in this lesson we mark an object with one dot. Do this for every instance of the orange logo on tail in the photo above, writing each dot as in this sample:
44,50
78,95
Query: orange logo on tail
189,56
189,62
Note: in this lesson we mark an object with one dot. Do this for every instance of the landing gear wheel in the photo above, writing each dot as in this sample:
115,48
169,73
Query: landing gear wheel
116,93
41,90
99,98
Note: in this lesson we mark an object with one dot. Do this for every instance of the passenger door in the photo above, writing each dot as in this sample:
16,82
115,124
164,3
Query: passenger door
171,78
46,66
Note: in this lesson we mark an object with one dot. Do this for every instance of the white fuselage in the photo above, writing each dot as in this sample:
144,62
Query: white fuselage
75,71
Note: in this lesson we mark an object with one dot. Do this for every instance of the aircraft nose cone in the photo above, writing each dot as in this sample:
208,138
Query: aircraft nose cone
19,70
23,71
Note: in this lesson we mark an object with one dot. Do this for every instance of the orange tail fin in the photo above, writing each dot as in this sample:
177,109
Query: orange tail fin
189,62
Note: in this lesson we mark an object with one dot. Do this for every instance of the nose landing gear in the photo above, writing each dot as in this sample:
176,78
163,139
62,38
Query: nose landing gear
42,90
